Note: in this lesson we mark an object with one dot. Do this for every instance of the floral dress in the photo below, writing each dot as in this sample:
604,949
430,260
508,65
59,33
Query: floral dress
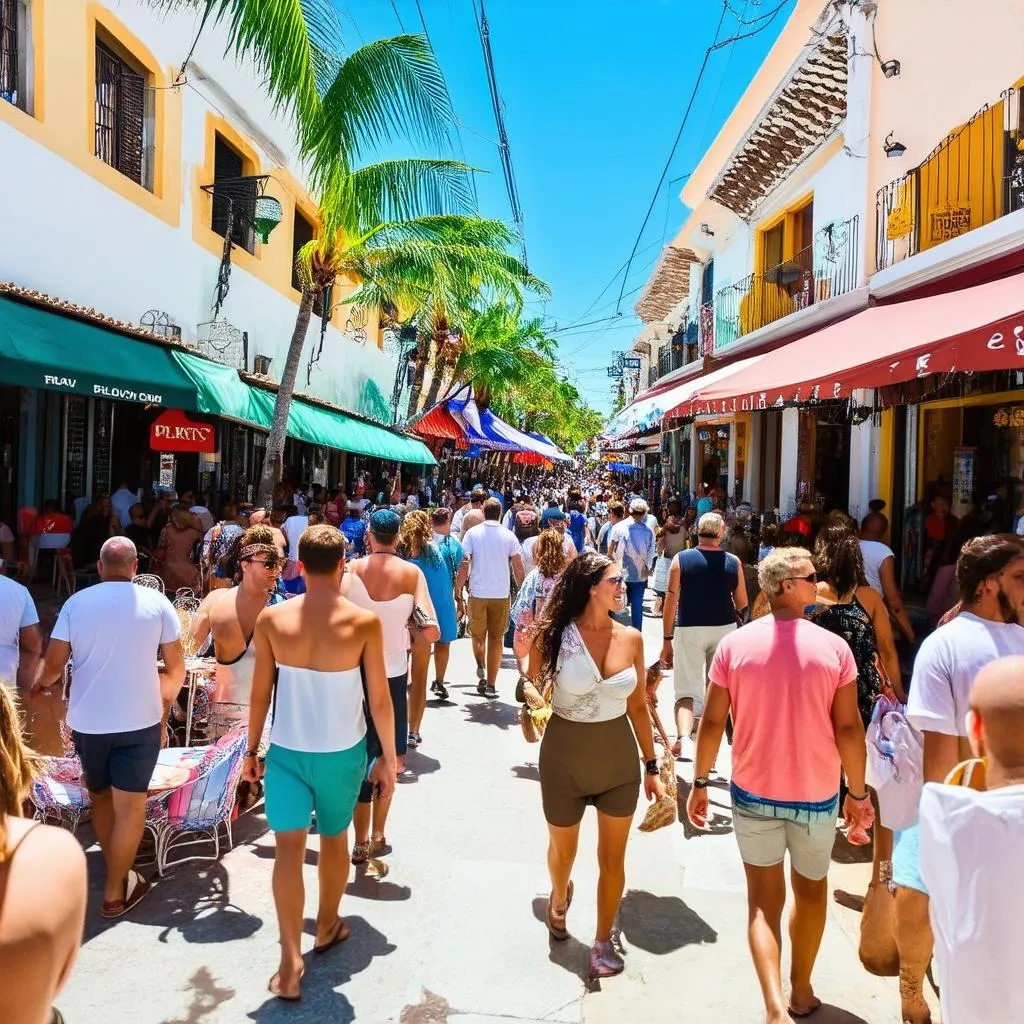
852,622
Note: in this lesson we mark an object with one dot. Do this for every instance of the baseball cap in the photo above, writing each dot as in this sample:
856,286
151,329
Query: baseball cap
638,505
553,513
385,523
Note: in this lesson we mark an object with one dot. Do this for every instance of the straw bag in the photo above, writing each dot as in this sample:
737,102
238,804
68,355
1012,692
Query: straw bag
535,712
664,811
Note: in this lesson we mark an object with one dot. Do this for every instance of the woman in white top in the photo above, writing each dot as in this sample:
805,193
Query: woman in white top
595,668
387,585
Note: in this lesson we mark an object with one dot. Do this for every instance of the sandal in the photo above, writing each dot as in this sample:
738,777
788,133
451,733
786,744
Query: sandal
556,919
360,853
340,934
379,846
274,988
135,888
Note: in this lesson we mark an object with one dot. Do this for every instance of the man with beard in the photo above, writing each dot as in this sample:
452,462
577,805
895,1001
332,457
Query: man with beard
990,582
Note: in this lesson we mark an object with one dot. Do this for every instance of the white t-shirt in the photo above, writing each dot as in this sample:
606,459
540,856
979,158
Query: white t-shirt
875,553
292,529
568,546
121,502
972,846
948,663
17,610
489,546
115,630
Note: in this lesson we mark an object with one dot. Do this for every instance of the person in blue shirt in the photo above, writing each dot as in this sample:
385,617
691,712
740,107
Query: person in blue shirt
632,544
354,529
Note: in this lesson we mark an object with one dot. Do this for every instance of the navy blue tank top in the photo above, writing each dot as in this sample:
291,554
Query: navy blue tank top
707,580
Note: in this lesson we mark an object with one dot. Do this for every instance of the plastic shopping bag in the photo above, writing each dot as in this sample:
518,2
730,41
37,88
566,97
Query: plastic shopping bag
895,755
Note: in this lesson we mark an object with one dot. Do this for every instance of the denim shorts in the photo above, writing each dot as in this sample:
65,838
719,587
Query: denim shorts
124,760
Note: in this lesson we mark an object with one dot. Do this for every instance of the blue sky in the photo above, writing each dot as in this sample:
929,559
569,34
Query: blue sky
594,92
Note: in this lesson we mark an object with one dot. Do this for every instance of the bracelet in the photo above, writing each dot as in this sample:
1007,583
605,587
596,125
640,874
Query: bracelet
863,796
669,639
651,767
701,782
252,753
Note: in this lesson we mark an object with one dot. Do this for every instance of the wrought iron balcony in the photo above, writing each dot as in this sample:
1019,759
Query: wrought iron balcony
681,351
973,177
822,270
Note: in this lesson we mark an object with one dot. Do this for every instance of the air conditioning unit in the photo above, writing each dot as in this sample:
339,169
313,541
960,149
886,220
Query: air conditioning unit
261,365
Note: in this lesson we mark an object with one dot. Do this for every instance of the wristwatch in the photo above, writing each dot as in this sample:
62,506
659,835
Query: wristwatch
651,767
701,782
668,639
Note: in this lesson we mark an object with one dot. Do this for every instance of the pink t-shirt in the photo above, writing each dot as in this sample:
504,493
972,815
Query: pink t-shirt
782,678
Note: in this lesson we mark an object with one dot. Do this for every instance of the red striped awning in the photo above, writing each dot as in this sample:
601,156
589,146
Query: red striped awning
439,422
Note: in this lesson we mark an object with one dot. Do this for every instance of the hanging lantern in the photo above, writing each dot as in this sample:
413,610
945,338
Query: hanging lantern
267,217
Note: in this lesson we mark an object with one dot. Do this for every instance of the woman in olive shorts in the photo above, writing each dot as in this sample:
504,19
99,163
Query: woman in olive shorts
589,754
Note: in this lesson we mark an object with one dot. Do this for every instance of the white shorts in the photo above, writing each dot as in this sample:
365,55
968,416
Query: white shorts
763,843
693,647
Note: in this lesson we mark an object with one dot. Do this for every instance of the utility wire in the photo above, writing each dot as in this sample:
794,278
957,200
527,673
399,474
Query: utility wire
398,17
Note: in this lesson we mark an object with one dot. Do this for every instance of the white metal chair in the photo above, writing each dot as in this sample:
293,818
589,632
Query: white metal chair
150,581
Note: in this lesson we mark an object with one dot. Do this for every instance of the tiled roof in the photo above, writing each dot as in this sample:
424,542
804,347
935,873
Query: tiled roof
668,286
805,111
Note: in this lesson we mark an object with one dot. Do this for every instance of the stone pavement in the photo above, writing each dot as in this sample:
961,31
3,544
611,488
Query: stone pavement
453,934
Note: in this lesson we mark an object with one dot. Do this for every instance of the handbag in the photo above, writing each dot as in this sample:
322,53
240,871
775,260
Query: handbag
877,949
420,619
665,810
535,712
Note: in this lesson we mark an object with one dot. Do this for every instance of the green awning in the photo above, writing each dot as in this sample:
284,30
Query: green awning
223,393
42,349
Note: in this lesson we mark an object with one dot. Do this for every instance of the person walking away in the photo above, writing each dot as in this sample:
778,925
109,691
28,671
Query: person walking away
174,552
416,543
791,689
589,751
314,656
354,529
550,563
220,539
880,570
230,616
990,583
39,934
577,528
671,540
392,589
114,632
616,513
632,545
451,552
557,522
490,553
293,528
972,840
706,596
474,515
21,643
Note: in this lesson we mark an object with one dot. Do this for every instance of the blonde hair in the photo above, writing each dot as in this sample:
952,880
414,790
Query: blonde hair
777,566
17,764
549,553
416,533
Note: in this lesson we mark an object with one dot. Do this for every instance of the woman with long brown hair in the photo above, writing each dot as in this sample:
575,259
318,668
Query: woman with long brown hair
549,560
40,929
174,551
595,668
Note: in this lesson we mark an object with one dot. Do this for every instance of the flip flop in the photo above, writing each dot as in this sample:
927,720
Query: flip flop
806,1013
341,933
275,989
133,894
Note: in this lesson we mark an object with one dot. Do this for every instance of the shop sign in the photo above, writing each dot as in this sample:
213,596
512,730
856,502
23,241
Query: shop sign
950,222
173,431
963,480
166,478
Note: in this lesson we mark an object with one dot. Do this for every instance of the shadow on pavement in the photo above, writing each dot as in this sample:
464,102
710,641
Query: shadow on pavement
324,974
844,852
373,887
530,772
661,924
570,954
493,712
719,825
829,1014
417,763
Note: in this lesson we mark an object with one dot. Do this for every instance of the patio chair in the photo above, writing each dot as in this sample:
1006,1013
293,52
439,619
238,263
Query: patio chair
192,813
59,794
150,581
65,570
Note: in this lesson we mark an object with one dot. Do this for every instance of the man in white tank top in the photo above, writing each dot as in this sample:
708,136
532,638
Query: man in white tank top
321,648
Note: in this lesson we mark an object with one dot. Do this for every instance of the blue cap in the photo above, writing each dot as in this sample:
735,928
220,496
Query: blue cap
385,523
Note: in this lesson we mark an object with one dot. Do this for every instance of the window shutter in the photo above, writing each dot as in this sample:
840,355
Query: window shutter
131,103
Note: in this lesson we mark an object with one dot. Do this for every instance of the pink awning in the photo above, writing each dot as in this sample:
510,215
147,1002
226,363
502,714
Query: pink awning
975,329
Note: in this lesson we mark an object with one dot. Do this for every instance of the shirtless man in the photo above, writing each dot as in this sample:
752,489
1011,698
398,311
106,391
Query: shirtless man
261,517
321,648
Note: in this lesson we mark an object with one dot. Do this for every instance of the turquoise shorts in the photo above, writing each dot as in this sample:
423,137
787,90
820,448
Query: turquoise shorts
298,783
906,859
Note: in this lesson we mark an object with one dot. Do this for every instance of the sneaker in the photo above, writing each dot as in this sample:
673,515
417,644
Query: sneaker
481,672
414,739
481,687
439,689
490,691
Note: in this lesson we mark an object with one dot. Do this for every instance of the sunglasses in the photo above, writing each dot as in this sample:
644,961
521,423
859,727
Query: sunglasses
810,578
271,564
615,581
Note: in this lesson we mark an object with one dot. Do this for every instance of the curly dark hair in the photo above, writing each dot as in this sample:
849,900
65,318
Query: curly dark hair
983,557
839,559
230,563
569,597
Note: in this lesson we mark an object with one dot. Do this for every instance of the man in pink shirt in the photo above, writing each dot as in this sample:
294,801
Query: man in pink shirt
791,688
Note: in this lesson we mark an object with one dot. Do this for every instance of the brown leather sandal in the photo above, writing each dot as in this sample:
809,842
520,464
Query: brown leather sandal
556,919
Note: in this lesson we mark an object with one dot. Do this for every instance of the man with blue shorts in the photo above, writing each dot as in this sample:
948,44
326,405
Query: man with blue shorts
313,654
990,583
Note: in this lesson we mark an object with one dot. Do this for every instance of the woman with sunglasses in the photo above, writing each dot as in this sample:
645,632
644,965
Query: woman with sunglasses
595,668
230,615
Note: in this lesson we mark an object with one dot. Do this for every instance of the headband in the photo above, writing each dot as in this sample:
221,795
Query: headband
257,549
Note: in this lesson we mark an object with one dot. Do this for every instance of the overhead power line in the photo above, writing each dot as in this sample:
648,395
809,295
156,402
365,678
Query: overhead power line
398,17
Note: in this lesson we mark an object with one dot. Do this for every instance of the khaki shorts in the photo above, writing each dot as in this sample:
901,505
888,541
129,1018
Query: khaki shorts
488,617
693,648
763,843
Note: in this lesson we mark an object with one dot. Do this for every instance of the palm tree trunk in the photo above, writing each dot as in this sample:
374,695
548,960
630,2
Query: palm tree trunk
419,375
438,378
274,455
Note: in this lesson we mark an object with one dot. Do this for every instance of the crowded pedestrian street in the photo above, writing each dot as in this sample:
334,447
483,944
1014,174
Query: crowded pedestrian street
448,928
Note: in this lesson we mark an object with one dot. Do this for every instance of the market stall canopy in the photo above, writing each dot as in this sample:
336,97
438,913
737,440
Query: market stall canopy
222,392
973,330
484,428
439,423
43,349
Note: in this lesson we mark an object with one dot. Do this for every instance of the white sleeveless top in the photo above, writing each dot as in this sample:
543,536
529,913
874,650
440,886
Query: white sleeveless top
580,693
394,618
318,712
234,678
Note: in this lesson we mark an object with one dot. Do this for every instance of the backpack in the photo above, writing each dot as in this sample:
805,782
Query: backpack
524,525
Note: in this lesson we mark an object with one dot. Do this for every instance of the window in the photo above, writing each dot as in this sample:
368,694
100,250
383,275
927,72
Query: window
302,234
234,201
16,54
124,116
